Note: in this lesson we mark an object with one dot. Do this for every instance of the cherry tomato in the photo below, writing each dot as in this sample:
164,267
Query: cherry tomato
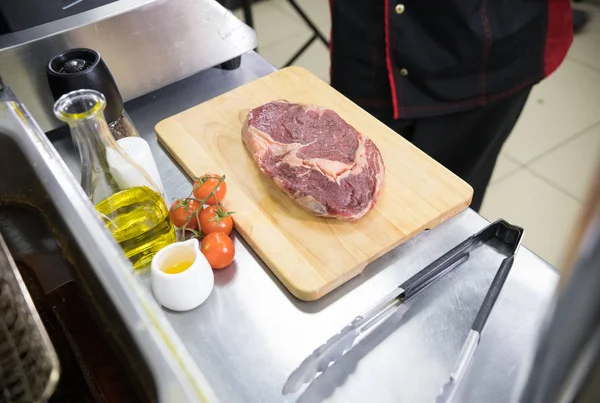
204,185
218,249
179,215
215,219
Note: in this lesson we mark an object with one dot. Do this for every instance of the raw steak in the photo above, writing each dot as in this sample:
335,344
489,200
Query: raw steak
315,157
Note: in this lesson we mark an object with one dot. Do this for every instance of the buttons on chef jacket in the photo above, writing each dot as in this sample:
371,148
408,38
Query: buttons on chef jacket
399,10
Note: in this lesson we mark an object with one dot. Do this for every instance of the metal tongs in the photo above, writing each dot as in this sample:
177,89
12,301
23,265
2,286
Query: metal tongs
348,337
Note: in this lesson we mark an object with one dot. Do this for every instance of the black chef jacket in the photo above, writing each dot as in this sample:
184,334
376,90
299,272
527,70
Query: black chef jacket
418,58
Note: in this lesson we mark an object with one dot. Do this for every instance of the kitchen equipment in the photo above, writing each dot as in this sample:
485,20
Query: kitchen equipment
148,44
125,195
310,255
84,69
29,367
193,282
511,237
350,336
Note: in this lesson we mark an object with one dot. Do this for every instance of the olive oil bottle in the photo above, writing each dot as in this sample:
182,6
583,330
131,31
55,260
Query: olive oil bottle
125,196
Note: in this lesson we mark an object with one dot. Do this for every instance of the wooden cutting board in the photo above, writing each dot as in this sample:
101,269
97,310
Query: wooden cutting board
310,255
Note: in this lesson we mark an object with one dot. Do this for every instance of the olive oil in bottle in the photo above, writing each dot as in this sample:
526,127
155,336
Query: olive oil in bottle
139,220
125,196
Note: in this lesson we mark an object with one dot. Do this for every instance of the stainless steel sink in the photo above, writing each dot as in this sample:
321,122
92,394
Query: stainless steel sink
111,339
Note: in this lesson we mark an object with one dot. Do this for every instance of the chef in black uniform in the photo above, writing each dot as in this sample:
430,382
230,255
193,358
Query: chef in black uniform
451,76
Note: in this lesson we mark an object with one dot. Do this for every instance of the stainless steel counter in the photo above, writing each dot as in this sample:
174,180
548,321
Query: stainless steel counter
251,333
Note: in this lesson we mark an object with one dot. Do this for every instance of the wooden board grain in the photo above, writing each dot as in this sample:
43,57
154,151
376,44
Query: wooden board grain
310,255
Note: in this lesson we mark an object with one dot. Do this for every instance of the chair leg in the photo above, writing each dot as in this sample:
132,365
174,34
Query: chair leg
302,49
247,8
308,22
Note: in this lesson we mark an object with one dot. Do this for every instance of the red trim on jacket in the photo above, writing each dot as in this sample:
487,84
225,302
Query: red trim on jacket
560,22
330,36
388,60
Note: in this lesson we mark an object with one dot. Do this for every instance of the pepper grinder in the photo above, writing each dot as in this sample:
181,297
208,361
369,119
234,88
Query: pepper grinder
82,68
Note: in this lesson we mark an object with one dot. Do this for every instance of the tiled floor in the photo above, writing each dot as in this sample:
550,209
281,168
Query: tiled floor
546,166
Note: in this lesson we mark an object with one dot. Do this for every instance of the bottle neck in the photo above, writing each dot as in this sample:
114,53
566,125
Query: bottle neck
94,129
93,139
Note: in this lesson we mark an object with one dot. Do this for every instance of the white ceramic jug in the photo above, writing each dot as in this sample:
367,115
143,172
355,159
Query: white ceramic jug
185,290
